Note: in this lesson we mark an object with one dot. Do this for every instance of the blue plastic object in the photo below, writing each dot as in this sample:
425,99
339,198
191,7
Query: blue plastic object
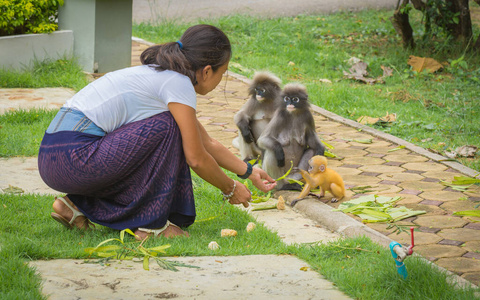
401,269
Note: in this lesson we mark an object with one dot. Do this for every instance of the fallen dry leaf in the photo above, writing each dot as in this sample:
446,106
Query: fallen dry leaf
387,71
366,120
467,151
358,71
424,63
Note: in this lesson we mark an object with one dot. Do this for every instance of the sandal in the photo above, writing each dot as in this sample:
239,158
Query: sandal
69,224
157,232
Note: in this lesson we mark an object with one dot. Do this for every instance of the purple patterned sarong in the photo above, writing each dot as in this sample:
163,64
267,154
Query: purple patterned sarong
135,176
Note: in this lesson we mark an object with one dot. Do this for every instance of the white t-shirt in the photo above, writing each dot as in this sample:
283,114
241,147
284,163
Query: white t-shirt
132,94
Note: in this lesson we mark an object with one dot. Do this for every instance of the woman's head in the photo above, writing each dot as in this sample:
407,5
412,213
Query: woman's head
200,46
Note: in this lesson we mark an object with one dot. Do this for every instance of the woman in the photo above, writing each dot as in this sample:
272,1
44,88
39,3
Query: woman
122,147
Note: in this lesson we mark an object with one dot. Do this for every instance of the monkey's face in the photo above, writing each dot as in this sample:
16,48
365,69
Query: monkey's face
317,163
260,93
295,98
291,103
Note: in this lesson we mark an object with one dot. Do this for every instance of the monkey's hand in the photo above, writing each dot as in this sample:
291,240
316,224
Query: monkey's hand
247,136
280,156
261,180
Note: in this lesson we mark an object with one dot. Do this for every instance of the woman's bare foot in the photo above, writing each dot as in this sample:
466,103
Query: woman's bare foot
64,211
170,231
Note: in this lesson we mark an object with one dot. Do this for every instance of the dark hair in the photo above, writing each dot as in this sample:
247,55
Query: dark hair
200,46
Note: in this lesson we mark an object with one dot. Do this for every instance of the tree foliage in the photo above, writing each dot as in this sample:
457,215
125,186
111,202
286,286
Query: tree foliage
448,17
28,16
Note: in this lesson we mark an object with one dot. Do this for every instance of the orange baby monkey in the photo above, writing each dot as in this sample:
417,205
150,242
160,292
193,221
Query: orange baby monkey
324,178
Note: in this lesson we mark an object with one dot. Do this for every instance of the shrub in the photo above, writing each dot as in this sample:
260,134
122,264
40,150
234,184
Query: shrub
28,16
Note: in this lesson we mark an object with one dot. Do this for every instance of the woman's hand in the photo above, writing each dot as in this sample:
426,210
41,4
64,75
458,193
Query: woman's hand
261,180
241,195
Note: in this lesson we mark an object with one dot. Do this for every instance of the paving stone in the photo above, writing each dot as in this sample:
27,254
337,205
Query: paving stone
382,149
472,246
359,180
405,158
474,255
410,192
428,229
473,277
389,182
475,226
380,227
377,155
414,172
460,234
362,160
452,206
348,152
450,242
421,238
429,179
459,264
382,189
352,166
370,174
355,135
347,171
439,251
393,163
440,221
425,166
405,198
440,195
430,209
440,175
401,176
421,186
334,164
382,169
431,202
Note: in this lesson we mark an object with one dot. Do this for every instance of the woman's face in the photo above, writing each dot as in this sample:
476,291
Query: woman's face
208,79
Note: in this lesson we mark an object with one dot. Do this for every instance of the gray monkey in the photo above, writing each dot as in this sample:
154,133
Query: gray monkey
257,112
290,136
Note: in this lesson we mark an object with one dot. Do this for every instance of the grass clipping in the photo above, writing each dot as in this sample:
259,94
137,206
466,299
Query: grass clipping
377,209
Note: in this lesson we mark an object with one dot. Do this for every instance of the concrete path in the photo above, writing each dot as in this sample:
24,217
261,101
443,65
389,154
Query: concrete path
157,11
413,173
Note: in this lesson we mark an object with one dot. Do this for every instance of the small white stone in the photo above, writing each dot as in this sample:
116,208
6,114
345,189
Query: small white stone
251,226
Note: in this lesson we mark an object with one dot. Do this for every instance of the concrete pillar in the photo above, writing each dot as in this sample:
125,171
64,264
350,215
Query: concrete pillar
102,31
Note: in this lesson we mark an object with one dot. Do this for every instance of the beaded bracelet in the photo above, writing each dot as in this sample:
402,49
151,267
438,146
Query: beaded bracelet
227,197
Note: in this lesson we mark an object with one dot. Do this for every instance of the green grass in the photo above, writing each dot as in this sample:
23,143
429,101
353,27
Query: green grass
48,73
21,131
437,111
28,233
365,270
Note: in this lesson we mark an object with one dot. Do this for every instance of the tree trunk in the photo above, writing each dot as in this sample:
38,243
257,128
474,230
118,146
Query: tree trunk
402,26
465,22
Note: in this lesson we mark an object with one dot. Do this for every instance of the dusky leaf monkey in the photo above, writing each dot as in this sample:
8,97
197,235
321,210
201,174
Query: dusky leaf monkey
319,175
257,112
290,136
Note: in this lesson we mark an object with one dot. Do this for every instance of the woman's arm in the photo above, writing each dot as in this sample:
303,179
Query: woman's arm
229,161
199,159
